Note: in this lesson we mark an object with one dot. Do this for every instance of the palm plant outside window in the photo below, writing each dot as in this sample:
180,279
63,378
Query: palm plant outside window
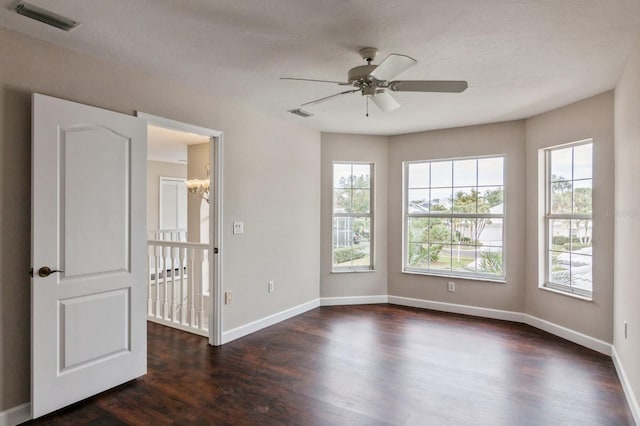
454,217
352,216
568,218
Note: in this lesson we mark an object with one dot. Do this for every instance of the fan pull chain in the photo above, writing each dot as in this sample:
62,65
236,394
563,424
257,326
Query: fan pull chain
367,106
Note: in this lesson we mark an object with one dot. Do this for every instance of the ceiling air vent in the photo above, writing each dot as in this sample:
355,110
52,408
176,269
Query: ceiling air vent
46,16
300,112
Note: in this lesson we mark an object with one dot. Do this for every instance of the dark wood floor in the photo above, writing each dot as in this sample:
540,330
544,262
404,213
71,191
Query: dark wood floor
365,365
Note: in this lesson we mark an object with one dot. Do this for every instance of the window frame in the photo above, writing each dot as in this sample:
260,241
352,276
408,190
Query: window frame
370,216
478,276
548,216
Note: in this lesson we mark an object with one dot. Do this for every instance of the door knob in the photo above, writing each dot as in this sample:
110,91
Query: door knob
45,271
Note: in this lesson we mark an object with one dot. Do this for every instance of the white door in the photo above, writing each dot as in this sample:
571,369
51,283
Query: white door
88,321
173,203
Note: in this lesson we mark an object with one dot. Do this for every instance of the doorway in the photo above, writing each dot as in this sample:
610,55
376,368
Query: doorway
184,279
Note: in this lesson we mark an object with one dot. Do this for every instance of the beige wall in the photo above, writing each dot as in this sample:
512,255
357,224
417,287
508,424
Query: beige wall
271,181
590,118
155,170
197,161
493,139
627,221
356,148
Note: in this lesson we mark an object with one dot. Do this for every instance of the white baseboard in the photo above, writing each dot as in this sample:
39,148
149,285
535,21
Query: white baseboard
626,386
16,415
353,300
169,323
252,327
568,334
457,309
555,329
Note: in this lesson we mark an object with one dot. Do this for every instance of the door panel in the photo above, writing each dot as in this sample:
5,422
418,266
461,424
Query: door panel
95,177
105,332
88,221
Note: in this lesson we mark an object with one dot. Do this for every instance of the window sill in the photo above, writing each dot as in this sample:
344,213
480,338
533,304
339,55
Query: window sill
566,293
351,271
457,277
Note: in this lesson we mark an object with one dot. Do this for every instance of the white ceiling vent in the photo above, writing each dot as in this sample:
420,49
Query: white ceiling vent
300,112
46,16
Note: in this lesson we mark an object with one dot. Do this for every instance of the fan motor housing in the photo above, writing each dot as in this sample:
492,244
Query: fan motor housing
361,73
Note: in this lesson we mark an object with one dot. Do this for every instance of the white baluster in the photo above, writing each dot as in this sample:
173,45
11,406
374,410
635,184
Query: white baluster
192,285
158,253
165,282
174,306
183,265
149,281
201,284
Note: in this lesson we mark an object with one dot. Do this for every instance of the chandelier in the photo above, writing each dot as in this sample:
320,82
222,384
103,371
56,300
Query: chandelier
200,187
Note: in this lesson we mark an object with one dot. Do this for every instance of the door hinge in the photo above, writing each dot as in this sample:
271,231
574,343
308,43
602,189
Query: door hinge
215,251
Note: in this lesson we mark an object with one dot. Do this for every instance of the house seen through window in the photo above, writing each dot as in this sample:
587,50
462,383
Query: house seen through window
352,216
454,217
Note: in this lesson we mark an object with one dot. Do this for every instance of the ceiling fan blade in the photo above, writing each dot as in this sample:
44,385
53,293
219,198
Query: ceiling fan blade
326,98
342,83
393,65
385,101
445,86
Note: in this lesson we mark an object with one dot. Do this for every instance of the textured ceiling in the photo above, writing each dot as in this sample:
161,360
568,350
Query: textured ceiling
520,57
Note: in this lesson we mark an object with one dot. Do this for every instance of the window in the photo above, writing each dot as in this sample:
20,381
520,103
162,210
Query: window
352,216
568,221
454,217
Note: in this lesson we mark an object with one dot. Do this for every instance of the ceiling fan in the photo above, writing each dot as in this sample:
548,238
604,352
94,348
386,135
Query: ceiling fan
375,81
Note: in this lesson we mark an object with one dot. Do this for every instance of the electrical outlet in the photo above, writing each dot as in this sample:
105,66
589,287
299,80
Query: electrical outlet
451,287
626,327
238,227
272,286
227,297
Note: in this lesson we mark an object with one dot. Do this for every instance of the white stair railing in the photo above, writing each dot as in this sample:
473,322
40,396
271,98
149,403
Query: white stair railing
178,285
168,235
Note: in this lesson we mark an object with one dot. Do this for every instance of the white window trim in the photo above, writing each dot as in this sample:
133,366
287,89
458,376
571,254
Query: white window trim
406,215
370,215
546,283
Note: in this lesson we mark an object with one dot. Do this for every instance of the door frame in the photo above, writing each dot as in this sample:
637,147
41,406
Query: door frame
215,211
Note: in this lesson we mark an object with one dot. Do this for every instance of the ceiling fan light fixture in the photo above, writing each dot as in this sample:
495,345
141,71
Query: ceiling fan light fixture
300,112
46,16
385,101
375,82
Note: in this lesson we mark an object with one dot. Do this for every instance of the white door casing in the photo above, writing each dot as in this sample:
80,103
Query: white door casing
215,214
88,323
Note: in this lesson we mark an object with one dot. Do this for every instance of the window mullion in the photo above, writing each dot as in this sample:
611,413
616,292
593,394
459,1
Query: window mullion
569,216
352,215
459,215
